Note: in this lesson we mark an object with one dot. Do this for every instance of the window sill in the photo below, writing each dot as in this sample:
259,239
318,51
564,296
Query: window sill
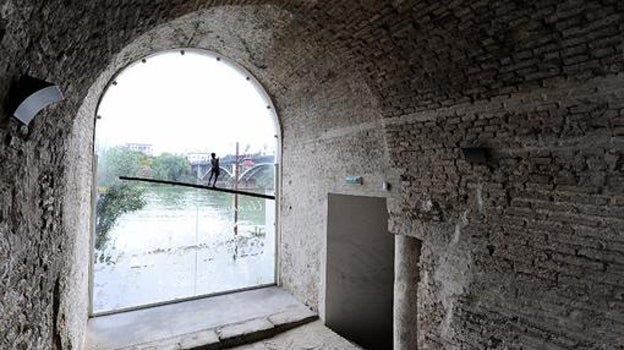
213,322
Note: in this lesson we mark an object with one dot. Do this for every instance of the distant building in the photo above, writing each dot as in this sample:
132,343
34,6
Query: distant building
144,148
198,157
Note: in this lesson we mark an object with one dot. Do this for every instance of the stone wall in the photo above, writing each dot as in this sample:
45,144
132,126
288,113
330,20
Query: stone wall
522,252
525,251
45,172
39,298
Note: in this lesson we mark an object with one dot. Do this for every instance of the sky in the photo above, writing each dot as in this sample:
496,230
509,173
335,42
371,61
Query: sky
185,103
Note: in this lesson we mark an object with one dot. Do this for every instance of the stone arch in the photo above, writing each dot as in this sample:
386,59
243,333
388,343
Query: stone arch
206,55
319,97
92,101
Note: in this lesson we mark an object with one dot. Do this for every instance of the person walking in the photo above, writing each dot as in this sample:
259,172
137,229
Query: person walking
214,169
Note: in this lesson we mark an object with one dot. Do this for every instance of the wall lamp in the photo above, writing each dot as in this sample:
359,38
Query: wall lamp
27,96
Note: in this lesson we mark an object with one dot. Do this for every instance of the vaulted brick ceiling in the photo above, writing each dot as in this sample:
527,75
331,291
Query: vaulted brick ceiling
413,55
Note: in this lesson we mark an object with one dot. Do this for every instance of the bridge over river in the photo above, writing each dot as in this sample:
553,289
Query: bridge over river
254,170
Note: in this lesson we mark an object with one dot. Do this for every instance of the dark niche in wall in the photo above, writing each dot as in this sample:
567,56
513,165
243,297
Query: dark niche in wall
360,270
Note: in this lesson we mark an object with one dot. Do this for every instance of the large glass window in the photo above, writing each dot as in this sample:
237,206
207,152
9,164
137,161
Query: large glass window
160,119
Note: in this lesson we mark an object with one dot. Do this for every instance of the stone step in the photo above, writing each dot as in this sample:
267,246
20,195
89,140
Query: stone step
313,335
231,335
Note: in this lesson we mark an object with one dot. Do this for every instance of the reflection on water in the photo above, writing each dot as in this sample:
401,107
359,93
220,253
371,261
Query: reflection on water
182,244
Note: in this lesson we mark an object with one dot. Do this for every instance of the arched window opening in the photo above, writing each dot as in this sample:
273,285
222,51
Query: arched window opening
162,118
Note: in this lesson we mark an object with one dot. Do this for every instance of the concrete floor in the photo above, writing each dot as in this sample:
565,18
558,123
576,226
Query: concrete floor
218,321
309,336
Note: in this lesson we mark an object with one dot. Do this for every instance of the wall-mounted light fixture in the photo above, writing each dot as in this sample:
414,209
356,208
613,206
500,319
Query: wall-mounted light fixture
27,96
475,155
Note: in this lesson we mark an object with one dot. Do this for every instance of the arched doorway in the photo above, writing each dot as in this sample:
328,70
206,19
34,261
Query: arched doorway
160,118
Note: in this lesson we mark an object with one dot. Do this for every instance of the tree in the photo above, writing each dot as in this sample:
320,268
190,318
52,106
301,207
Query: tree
115,197
171,167
119,198
119,161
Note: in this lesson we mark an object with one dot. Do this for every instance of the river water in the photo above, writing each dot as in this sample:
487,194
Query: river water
182,244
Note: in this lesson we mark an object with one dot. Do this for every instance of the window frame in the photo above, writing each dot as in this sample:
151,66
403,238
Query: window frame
94,171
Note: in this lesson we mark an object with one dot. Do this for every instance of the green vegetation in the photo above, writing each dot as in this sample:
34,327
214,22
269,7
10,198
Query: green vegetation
120,198
118,161
172,168
116,198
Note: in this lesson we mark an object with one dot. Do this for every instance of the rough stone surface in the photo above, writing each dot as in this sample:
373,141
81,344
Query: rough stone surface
309,336
292,317
524,252
195,340
209,323
244,328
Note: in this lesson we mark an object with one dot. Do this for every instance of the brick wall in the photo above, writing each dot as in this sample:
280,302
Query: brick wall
533,237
